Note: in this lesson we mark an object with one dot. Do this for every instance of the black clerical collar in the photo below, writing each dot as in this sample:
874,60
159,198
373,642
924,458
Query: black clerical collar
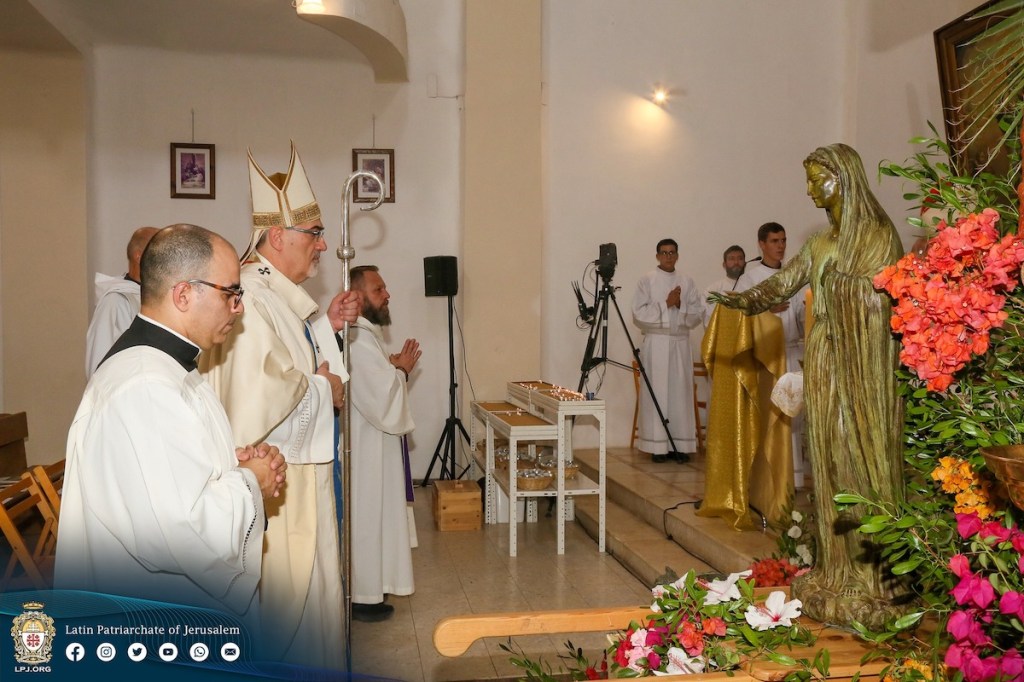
145,332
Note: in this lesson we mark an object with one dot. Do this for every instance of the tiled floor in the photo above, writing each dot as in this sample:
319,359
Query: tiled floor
471,572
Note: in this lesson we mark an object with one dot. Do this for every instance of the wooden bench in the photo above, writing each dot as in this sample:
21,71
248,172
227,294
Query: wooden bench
454,635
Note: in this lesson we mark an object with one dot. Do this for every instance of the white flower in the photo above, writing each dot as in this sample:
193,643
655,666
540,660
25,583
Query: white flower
797,516
804,552
680,664
721,591
658,591
775,612
794,532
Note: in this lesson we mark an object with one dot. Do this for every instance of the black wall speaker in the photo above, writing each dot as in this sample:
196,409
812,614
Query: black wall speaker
441,275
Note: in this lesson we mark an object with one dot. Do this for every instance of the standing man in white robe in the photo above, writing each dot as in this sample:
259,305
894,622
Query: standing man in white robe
665,308
771,240
117,303
156,502
275,386
381,548
734,260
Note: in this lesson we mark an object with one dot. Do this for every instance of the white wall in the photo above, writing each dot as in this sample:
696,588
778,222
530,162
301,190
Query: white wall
142,101
895,86
756,87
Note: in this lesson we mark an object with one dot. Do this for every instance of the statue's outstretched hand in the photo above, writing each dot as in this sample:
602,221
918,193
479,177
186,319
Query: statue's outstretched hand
726,298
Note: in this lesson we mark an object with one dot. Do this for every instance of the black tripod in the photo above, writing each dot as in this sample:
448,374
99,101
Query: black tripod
599,327
446,445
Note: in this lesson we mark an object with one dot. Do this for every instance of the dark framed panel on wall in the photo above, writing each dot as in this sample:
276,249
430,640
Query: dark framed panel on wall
381,162
193,175
957,47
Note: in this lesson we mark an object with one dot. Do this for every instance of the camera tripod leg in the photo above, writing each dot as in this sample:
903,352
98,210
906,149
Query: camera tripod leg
600,326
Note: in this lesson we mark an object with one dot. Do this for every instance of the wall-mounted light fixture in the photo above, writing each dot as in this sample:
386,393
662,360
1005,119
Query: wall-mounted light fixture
309,6
377,29
660,95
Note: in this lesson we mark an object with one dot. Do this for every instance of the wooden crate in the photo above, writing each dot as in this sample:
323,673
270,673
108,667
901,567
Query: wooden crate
457,505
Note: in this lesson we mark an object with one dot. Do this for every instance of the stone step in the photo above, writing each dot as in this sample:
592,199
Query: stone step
638,546
651,507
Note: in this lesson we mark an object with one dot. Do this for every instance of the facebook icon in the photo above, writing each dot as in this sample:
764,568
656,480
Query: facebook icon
75,652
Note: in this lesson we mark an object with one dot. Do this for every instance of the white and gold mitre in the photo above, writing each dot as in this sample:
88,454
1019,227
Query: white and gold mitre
281,199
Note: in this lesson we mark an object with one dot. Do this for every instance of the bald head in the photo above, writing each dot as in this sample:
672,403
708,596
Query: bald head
136,245
175,254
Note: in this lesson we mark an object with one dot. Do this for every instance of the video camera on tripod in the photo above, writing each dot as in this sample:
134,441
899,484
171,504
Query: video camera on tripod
596,316
607,259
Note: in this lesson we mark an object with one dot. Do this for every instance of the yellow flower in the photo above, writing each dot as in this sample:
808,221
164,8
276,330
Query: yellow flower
898,672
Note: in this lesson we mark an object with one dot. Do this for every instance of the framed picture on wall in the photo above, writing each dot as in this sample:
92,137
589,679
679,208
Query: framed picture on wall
193,174
966,98
381,162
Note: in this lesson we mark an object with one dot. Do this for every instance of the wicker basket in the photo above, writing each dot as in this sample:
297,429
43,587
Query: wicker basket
533,479
551,465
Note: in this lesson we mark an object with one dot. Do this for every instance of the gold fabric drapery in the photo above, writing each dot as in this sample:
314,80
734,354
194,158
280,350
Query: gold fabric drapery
749,452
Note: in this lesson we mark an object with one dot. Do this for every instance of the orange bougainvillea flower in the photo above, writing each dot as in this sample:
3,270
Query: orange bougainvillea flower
947,302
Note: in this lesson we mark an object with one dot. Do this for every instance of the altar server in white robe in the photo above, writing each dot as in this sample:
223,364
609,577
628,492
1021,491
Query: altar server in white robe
381,547
771,239
666,306
156,503
117,303
276,387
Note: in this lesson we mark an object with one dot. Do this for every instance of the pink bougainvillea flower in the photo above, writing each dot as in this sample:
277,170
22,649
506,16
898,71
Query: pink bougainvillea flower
994,529
965,629
1011,667
968,525
973,590
1011,603
959,565
776,611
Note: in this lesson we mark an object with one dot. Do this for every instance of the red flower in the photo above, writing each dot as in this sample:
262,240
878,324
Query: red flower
714,626
691,638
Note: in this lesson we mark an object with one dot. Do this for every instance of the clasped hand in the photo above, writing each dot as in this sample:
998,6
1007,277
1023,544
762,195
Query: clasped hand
267,463
408,357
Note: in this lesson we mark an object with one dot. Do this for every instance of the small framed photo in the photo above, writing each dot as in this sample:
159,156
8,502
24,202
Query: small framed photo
192,171
381,162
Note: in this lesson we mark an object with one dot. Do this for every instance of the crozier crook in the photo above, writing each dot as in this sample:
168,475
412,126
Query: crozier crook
346,253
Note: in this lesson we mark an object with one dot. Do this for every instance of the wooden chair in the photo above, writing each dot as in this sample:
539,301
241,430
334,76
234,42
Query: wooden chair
50,478
636,404
700,372
23,507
